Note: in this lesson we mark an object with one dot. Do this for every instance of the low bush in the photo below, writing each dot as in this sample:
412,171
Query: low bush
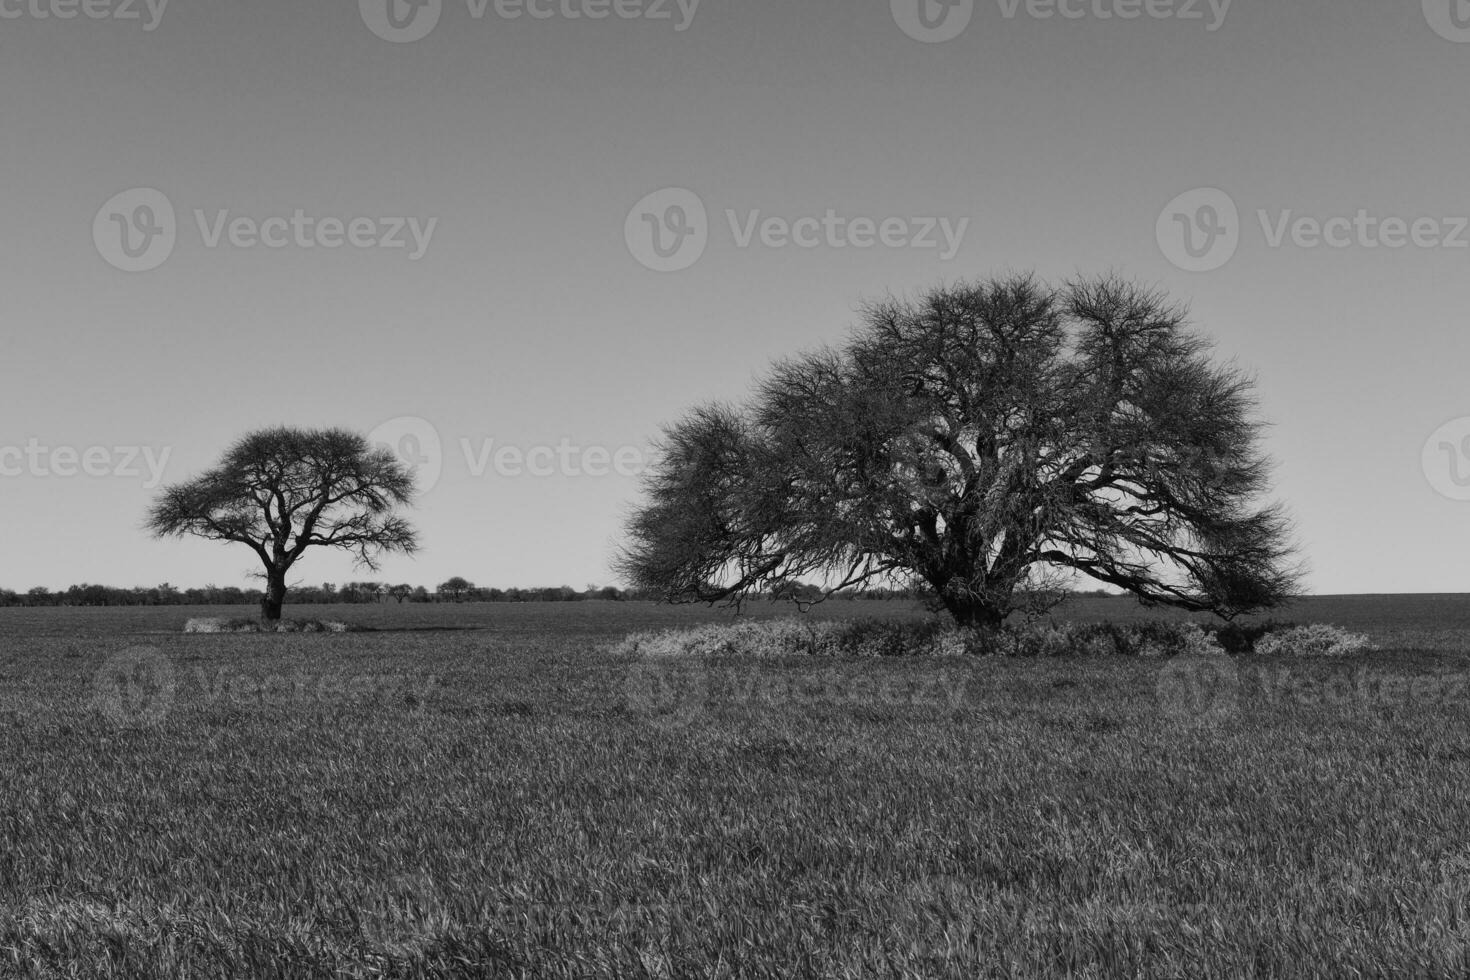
891,638
220,624
1142,639
307,626
761,639
1244,637
1316,640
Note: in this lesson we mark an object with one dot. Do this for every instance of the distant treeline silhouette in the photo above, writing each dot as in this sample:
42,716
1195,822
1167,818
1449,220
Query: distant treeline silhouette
453,590
326,593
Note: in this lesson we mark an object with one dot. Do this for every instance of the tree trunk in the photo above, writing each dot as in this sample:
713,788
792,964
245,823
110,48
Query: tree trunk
274,598
978,616
974,613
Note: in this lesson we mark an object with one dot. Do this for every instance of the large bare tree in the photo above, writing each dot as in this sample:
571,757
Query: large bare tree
981,440
281,491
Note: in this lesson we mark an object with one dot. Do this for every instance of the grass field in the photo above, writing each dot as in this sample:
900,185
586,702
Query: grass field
491,791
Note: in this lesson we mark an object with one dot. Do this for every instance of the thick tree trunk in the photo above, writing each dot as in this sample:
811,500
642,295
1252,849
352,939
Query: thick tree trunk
974,614
971,607
275,597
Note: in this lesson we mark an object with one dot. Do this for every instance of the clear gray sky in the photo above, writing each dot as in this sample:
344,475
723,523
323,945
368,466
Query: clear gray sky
532,318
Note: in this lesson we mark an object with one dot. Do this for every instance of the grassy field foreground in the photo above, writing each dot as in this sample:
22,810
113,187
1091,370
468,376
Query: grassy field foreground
518,801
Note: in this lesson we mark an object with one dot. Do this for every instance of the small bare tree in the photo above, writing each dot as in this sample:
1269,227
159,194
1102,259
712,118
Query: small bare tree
281,491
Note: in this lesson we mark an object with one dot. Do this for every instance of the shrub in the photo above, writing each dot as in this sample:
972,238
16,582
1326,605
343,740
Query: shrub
762,639
1030,640
1244,637
751,639
889,638
1317,640
219,624
1151,639
307,626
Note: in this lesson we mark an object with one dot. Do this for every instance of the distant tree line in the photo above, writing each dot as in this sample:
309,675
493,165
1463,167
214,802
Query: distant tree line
326,593
106,595
456,589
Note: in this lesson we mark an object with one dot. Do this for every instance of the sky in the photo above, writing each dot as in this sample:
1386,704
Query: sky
437,224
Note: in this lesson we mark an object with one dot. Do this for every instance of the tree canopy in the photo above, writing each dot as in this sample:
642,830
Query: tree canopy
985,439
281,491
